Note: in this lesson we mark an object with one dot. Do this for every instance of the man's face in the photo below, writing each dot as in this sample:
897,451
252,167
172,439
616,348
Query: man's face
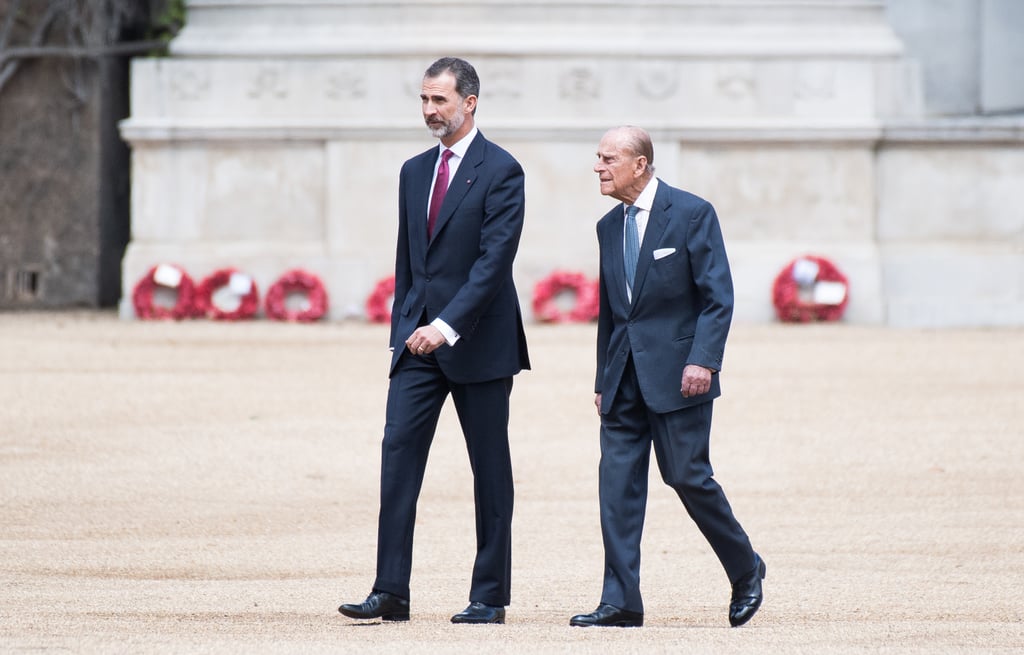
443,110
616,168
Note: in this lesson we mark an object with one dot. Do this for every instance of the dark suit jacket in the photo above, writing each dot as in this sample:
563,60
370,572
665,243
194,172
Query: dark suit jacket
464,274
682,302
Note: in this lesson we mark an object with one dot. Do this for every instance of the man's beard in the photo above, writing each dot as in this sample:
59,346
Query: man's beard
448,128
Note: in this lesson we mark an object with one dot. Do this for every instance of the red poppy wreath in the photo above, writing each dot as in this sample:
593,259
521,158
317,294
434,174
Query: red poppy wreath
545,292
378,305
167,276
810,288
296,282
238,286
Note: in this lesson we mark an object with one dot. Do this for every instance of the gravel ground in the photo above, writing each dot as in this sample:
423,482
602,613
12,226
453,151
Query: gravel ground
210,487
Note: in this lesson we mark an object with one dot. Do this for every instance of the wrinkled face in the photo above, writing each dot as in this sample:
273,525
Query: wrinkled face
443,110
618,169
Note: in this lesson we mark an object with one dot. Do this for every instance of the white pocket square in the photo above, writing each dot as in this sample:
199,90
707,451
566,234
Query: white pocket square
661,253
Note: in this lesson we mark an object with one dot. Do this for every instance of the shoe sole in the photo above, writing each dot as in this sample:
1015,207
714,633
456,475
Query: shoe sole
382,617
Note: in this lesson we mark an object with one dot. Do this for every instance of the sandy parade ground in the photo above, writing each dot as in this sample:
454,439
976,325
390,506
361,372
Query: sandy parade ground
212,487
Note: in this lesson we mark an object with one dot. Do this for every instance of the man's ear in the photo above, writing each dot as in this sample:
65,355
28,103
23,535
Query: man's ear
469,104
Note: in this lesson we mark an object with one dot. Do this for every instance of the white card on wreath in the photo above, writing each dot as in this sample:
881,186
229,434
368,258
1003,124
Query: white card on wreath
829,293
240,284
167,276
805,272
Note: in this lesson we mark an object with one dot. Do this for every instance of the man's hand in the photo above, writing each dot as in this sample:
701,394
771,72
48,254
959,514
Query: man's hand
696,380
424,340
597,403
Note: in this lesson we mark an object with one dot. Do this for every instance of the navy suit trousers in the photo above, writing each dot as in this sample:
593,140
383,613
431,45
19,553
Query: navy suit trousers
680,440
417,393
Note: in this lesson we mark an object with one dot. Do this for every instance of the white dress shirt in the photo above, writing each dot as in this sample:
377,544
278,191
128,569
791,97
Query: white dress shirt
458,149
643,203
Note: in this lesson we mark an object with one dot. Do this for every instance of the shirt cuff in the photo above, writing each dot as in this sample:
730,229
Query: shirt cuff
450,335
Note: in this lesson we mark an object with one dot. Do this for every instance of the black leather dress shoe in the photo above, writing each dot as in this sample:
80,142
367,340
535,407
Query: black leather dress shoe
608,615
747,594
378,605
480,613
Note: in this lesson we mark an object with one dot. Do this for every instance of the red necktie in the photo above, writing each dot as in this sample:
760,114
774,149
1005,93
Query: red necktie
440,187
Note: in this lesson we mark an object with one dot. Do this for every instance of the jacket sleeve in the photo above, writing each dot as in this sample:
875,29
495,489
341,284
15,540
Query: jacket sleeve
604,319
403,271
711,274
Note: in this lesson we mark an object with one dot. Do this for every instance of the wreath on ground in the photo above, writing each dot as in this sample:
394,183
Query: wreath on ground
292,283
810,288
239,285
167,276
378,304
585,304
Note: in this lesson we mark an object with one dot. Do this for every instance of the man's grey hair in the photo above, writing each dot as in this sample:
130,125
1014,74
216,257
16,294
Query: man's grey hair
639,143
467,83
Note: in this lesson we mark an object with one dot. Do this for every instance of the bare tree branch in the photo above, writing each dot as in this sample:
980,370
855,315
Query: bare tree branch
12,13
89,29
80,52
75,86
38,35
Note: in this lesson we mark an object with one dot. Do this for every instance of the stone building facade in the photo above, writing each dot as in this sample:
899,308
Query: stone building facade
885,136
272,137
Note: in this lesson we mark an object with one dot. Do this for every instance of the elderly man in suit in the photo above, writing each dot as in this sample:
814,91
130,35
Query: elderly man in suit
456,329
665,308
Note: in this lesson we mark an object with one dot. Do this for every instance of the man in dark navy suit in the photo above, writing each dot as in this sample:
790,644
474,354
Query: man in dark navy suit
456,329
666,303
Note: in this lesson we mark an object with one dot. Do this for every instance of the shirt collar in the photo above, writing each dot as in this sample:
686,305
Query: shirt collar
460,147
645,201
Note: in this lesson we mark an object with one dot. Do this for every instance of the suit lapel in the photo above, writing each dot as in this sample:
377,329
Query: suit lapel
616,225
460,184
419,193
657,221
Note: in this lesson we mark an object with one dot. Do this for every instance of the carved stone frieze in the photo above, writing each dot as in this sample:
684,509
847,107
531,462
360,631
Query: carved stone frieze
816,81
736,81
269,81
580,83
345,83
658,80
190,82
505,81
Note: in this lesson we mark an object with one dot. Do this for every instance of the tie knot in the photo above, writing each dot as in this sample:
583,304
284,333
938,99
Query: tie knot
446,155
631,211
